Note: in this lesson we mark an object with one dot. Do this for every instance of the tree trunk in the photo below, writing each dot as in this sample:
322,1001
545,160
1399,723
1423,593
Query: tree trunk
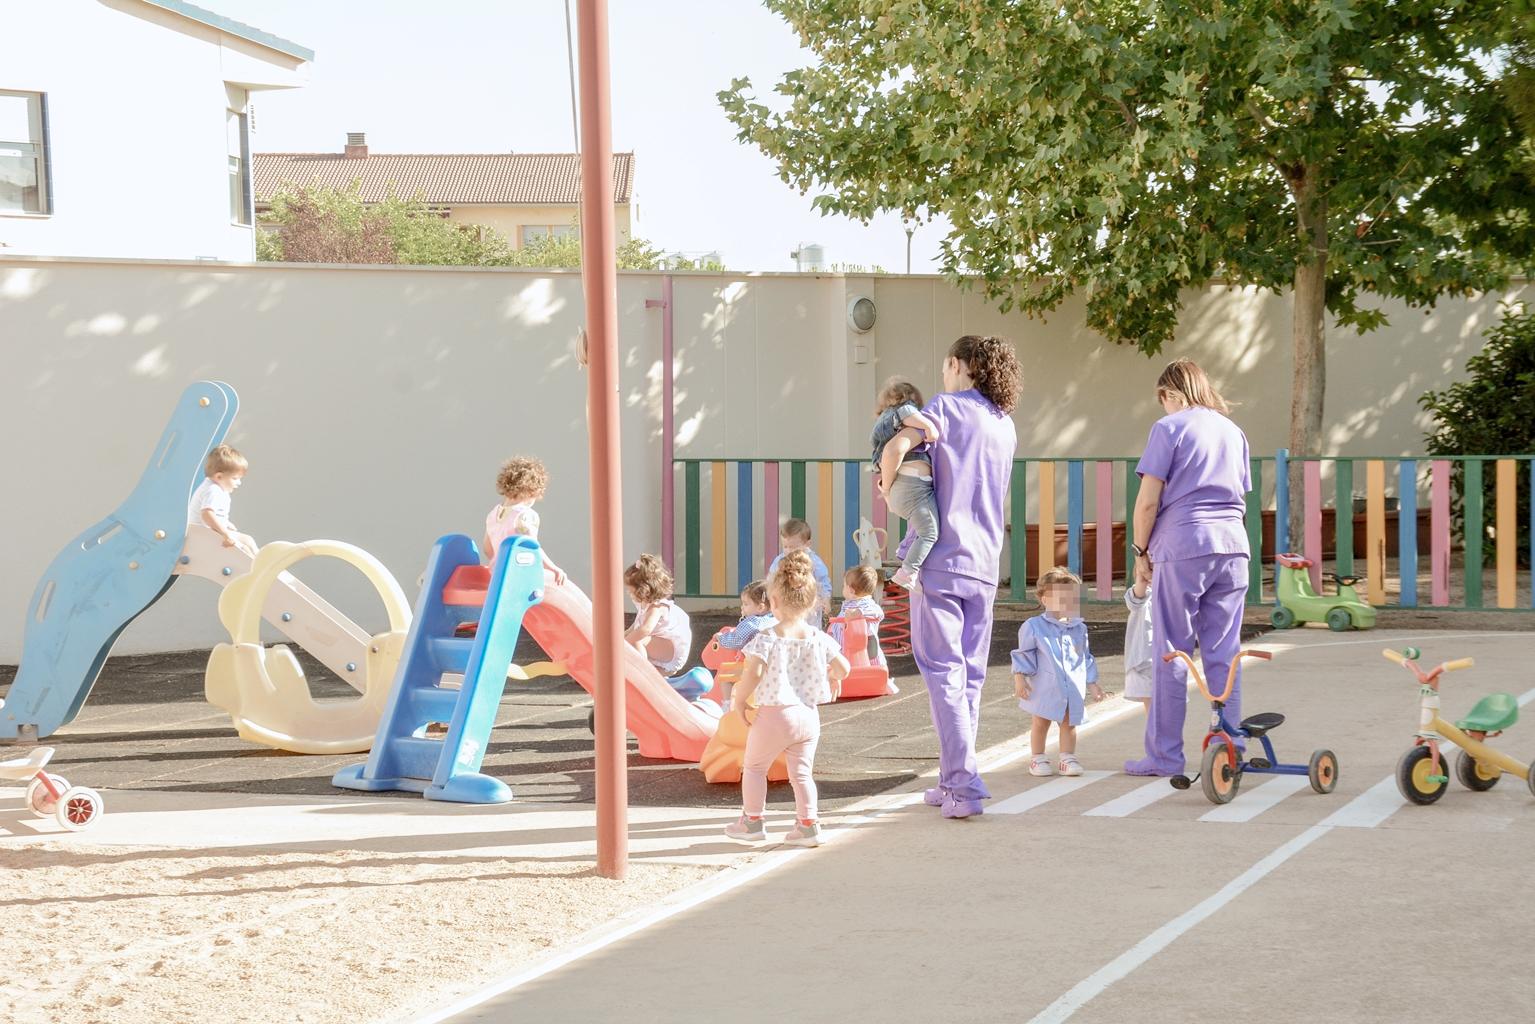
1308,334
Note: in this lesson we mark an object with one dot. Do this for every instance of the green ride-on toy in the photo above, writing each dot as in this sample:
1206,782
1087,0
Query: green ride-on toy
1299,604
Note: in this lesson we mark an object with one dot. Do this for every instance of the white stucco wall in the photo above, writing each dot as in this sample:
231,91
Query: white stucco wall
138,99
378,402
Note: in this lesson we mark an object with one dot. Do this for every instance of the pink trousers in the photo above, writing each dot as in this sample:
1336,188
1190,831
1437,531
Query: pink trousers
792,730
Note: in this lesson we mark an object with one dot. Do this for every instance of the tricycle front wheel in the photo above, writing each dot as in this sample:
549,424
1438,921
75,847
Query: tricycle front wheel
1412,777
1220,780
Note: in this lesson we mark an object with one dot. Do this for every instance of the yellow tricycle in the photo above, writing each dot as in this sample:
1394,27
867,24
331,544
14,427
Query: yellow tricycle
1422,774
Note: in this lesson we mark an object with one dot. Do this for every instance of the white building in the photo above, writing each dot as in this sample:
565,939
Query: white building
124,128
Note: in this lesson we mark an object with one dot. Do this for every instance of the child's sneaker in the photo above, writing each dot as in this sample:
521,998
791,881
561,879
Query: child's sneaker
1040,765
804,834
746,830
1070,765
904,578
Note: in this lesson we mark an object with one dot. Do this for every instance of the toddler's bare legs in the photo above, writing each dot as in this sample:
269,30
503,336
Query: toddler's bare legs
1039,732
1068,738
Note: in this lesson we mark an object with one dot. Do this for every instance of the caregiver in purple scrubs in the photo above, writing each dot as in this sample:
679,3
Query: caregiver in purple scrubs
951,608
1191,542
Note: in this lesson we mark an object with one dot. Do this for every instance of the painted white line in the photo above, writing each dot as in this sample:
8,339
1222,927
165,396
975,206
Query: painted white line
1003,754
1090,987
1136,799
1370,808
1252,802
1043,794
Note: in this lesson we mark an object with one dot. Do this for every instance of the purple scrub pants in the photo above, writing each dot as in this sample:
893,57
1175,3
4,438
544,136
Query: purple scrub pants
951,642
1194,599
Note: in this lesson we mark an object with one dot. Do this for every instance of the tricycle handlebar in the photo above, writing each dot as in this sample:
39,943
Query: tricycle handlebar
1408,657
1231,674
1458,664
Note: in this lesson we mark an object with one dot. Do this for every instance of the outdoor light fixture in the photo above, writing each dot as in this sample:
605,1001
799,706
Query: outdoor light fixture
861,314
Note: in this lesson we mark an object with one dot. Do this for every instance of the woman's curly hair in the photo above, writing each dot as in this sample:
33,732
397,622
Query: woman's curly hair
649,579
522,477
993,365
793,583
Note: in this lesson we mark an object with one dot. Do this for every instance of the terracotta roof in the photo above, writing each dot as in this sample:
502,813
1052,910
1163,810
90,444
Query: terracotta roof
442,178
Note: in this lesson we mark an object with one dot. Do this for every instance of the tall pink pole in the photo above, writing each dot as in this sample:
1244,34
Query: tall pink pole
599,280
668,429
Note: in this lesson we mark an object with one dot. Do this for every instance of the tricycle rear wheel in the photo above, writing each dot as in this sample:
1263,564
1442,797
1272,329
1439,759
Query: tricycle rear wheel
1323,770
1473,776
1219,779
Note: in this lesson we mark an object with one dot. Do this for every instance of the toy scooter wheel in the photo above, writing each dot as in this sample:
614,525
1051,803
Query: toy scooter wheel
1473,775
79,808
1219,779
1323,770
39,802
1412,777
1339,620
1283,618
1530,778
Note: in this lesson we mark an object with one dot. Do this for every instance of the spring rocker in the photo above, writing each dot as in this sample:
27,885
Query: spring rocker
895,630
1222,766
860,646
51,796
1299,603
1422,774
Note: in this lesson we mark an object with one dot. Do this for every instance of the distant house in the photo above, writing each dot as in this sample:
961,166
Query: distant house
124,128
521,195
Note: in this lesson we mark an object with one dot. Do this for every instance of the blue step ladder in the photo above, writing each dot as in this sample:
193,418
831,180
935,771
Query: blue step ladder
456,589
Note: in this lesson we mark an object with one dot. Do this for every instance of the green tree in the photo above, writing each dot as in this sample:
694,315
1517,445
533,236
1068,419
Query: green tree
319,224
1128,150
1491,412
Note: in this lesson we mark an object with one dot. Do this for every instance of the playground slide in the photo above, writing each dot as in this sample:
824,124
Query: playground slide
107,576
667,726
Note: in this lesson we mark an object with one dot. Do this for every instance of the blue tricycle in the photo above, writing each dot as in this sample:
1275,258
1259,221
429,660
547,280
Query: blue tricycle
1222,766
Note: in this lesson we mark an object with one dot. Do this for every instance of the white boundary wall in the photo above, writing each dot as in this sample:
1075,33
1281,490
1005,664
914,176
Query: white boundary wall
378,402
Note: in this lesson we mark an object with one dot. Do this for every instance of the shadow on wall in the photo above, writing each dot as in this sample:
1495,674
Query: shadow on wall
376,407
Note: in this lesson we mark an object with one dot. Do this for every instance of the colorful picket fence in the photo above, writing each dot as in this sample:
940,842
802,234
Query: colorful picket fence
1073,512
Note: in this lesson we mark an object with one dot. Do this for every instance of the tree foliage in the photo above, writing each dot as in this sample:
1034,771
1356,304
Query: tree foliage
1129,149
319,224
1492,411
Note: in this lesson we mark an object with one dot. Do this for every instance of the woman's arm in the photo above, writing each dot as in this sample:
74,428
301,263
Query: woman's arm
1145,518
920,422
891,456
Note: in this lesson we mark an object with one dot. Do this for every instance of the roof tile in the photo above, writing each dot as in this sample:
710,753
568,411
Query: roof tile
442,178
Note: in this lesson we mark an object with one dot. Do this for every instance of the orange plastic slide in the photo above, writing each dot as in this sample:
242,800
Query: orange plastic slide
666,725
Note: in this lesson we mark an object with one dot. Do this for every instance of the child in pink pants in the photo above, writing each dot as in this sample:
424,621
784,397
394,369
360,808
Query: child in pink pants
790,669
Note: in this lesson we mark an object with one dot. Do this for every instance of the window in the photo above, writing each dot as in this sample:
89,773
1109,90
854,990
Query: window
239,169
533,232
24,153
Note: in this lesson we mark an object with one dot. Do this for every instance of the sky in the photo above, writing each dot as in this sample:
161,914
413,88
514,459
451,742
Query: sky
470,76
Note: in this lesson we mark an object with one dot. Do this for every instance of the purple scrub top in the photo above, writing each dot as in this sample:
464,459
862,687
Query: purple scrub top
1201,458
972,467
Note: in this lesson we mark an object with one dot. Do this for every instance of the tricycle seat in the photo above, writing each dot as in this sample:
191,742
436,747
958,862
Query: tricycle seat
1257,725
1493,713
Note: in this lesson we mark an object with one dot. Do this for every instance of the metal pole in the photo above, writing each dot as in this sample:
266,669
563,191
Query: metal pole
908,250
570,64
599,280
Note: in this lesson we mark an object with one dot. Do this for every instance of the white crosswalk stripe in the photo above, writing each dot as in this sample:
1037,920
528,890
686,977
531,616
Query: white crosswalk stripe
1250,803
1043,794
1138,798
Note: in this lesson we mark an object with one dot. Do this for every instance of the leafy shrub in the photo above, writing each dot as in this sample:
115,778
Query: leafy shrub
1492,412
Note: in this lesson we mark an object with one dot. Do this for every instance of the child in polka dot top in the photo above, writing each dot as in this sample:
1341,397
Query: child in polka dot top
790,669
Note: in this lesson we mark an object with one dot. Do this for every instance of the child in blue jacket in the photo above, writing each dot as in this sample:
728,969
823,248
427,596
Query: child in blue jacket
1053,671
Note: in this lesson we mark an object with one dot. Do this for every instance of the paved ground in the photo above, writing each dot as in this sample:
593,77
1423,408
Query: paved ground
1113,899
147,726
